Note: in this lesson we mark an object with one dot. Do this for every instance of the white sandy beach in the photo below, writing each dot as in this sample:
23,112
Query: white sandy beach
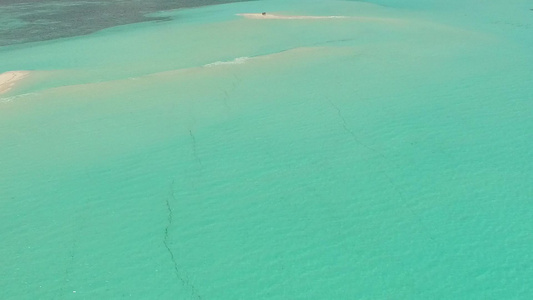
8,79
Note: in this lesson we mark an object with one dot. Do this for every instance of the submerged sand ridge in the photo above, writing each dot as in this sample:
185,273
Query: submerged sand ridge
8,79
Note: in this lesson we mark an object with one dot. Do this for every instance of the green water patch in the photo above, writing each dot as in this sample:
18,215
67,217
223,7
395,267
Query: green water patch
33,21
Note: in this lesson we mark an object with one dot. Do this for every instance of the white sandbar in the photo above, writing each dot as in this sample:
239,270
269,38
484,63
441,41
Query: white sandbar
268,16
274,16
8,79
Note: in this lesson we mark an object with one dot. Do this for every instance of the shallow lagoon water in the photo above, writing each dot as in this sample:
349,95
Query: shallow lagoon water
382,156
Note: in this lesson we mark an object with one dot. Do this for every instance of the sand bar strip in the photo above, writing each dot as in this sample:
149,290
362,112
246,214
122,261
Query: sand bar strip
268,16
8,79
283,17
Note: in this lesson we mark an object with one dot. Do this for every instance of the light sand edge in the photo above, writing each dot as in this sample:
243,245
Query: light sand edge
282,17
8,79
268,16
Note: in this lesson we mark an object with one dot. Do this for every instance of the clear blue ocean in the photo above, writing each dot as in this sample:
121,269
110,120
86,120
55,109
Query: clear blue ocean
161,151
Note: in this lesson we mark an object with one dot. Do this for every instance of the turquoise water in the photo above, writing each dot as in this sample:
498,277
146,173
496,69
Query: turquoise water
217,157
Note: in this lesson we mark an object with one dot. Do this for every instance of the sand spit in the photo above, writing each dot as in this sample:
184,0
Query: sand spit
8,79
283,17
268,16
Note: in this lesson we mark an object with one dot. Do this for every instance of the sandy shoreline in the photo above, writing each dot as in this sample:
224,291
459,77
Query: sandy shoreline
8,79
282,17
